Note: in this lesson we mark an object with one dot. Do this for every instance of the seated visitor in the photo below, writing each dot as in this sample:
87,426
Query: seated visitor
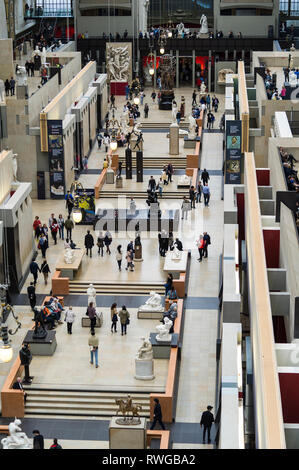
171,294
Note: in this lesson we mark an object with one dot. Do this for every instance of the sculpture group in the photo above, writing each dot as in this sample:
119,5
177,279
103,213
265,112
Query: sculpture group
129,411
118,63
16,439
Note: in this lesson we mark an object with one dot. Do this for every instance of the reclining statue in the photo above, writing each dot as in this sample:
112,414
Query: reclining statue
153,304
16,439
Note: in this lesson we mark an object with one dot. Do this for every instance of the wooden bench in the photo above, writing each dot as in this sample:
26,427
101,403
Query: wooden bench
4,429
163,436
60,285
100,183
167,399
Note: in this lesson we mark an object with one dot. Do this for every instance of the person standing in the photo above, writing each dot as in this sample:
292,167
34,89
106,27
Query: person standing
119,256
205,176
114,317
93,343
61,226
100,244
69,225
157,415
207,419
152,184
55,444
25,358
129,258
216,104
194,98
153,96
12,84
146,110
43,244
124,317
169,172
206,194
207,240
185,207
18,386
45,270
199,191
91,312
38,440
37,225
208,102
210,120
178,117
7,87
88,242
31,295
34,269
54,230
69,319
200,246
169,283
192,197
108,241
99,139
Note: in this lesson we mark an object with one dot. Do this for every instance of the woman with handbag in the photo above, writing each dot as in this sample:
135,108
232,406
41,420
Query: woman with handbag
45,270
119,256
124,317
108,241
100,244
114,317
91,312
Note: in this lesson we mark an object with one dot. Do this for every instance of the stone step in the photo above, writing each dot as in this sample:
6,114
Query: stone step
29,412
165,195
113,407
80,394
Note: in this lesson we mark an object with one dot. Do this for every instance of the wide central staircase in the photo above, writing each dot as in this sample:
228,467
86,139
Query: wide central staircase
119,288
178,194
157,162
68,402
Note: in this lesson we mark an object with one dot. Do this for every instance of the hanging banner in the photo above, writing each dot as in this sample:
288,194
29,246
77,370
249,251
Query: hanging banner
233,152
56,159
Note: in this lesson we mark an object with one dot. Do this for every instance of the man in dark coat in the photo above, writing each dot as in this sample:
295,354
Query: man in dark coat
205,176
89,242
38,440
31,295
34,271
157,415
207,240
25,358
192,197
152,184
207,419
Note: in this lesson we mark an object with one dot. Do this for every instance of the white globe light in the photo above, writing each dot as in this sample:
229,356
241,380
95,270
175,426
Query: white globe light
136,100
151,71
169,34
6,353
77,216
162,50
113,145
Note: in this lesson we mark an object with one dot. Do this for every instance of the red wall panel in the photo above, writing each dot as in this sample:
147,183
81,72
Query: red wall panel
263,177
271,243
289,386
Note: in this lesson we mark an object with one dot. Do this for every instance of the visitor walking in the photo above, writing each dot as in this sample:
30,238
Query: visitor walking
205,176
207,240
207,419
34,269
199,191
153,96
169,172
92,314
108,241
93,343
129,259
192,197
45,270
206,194
194,98
124,317
60,222
88,243
146,110
54,229
114,317
31,295
119,256
69,225
12,84
37,225
157,415
69,319
185,207
43,244
100,244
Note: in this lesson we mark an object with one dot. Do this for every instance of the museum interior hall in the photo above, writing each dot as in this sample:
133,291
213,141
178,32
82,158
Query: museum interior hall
149,224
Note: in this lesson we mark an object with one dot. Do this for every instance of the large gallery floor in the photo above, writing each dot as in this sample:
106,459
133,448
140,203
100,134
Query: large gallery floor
70,364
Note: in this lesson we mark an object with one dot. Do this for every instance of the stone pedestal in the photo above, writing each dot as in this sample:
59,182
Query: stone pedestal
174,139
154,315
42,347
161,350
125,436
189,143
144,369
110,176
204,35
138,253
119,182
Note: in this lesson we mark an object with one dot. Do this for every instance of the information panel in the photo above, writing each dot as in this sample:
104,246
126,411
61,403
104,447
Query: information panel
233,140
56,159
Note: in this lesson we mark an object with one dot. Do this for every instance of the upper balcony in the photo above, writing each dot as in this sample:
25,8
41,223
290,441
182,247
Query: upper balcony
49,9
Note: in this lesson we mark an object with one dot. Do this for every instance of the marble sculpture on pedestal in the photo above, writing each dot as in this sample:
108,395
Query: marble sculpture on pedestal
192,127
153,304
69,256
204,25
16,439
91,292
163,331
184,180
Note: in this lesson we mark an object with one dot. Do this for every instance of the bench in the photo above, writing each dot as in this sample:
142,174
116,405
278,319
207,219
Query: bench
60,285
85,321
167,399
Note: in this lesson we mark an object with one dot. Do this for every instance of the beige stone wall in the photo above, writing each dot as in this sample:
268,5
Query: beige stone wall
104,104
93,119
68,158
85,127
6,173
6,59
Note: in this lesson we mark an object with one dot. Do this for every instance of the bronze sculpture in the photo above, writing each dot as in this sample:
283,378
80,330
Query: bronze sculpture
126,407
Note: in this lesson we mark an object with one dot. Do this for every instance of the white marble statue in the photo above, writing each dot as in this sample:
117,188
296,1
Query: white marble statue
292,48
118,63
153,304
36,52
174,112
124,121
204,25
92,293
16,439
292,78
21,76
132,206
202,88
145,352
176,254
163,330
184,180
192,127
222,74
15,167
69,256
44,56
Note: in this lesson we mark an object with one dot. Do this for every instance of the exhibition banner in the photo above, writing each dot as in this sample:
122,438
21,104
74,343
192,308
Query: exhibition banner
233,140
56,159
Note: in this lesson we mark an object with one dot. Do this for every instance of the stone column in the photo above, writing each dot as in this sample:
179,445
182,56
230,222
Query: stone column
155,69
177,70
193,68
174,139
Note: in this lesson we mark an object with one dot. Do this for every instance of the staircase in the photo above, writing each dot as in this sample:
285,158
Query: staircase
157,162
179,194
119,288
64,402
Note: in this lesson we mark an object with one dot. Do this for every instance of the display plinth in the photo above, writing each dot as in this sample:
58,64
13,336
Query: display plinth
110,176
161,350
189,143
138,253
41,347
144,369
119,182
118,88
153,315
124,436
